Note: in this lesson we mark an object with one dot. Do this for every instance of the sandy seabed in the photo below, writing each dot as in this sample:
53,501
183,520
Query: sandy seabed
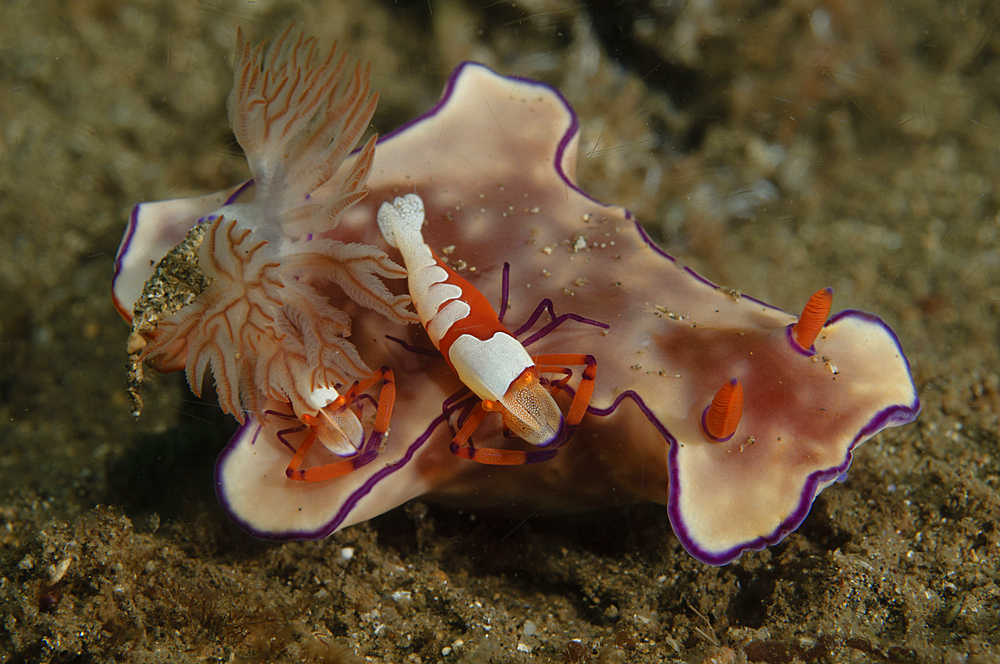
774,147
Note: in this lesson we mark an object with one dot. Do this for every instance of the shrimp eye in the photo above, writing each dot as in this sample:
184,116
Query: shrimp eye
527,378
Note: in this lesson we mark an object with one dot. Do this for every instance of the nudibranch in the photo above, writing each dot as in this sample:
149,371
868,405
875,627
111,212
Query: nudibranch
731,412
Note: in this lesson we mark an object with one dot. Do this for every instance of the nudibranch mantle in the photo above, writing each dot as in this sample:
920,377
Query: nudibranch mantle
494,162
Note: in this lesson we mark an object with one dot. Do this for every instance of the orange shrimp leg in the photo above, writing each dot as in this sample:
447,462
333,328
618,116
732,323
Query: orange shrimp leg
555,363
386,397
462,446
318,473
326,419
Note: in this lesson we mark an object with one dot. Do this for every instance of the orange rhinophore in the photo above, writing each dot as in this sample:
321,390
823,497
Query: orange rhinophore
813,318
720,419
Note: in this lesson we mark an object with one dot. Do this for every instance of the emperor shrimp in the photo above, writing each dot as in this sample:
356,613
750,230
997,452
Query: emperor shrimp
337,427
485,355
